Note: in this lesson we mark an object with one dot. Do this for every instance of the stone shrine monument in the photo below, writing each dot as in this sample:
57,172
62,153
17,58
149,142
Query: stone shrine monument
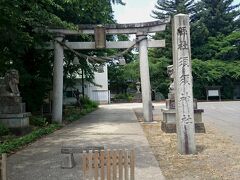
181,114
12,110
169,113
137,96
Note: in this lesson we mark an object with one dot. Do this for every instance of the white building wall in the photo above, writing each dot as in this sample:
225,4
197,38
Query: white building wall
101,79
98,93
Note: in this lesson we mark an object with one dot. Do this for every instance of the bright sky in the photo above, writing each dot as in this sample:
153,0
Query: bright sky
136,11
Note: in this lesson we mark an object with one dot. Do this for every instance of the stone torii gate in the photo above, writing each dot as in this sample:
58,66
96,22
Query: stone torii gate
181,64
141,31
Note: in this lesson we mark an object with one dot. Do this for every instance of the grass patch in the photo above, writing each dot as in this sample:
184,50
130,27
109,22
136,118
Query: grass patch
17,143
73,113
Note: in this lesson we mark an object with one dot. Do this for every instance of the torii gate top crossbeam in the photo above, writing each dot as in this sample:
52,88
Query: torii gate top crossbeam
133,28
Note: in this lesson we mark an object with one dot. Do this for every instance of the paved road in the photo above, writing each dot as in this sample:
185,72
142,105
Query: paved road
225,116
114,126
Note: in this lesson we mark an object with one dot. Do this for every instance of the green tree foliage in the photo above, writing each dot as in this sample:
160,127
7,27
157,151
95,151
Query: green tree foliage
19,22
162,10
116,78
218,16
172,7
222,47
126,76
212,73
85,12
215,18
158,74
17,31
160,58
214,39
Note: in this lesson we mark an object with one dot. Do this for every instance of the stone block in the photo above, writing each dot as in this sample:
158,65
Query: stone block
20,115
68,162
13,109
170,103
169,121
199,127
16,122
171,127
198,115
169,115
10,100
137,97
20,120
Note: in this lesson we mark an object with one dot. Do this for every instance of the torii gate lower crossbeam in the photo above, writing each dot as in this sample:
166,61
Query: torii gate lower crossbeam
140,29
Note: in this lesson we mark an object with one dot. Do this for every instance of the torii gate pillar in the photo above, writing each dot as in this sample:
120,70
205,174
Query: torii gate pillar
58,80
145,78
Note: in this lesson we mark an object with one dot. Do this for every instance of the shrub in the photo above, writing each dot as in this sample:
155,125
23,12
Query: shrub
38,121
126,96
3,130
87,103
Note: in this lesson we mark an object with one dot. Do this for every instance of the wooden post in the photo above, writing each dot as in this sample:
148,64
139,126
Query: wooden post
132,164
108,165
120,164
114,164
4,167
90,165
183,85
102,155
126,165
96,156
84,164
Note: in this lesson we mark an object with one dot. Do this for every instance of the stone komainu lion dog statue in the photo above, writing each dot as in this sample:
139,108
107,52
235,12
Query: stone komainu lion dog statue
9,86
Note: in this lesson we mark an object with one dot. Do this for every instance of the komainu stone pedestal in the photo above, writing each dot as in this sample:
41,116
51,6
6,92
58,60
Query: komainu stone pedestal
168,123
12,109
13,112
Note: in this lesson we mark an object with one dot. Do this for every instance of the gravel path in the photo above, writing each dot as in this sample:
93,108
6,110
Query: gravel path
218,151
